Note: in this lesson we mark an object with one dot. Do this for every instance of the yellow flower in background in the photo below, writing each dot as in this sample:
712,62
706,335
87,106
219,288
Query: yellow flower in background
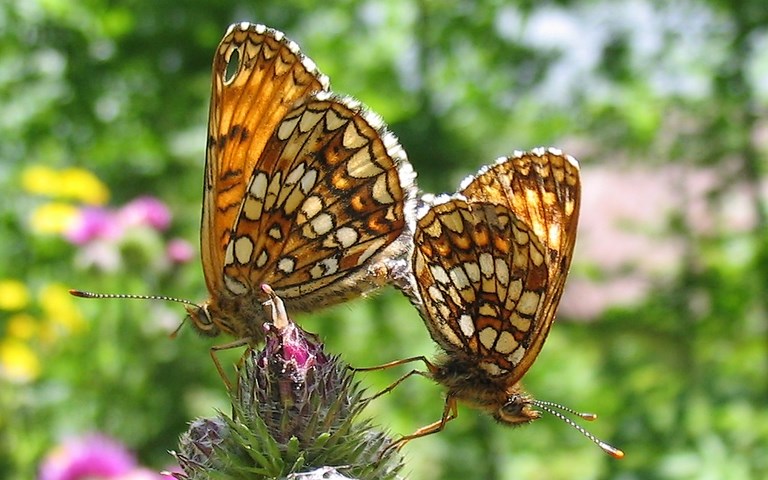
13,295
69,183
22,326
40,180
60,310
83,185
18,362
53,218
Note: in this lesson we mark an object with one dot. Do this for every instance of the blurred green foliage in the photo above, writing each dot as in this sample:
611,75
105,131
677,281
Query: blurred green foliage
651,97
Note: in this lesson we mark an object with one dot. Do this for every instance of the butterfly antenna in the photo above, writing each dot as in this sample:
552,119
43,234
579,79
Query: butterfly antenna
555,410
82,294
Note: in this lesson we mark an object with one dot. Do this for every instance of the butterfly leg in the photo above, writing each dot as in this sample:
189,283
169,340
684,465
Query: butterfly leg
217,363
395,363
450,411
397,382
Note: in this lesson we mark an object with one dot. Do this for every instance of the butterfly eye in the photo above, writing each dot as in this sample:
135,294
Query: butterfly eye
233,65
517,410
201,319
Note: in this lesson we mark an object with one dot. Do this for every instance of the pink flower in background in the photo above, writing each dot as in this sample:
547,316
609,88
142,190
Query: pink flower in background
93,457
93,223
102,233
180,251
145,211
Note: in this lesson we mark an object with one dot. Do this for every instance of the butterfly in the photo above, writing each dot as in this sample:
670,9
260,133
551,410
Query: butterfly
304,189
488,268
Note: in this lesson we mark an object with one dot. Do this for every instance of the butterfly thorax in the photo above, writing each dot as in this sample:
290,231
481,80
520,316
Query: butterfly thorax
469,383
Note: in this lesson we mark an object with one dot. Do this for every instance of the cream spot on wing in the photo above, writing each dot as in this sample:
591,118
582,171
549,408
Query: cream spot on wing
361,166
521,323
459,278
261,260
516,356
536,256
528,303
346,236
506,343
229,254
295,175
436,294
234,286
308,120
486,264
467,325
352,138
243,249
286,128
473,271
333,121
502,271
488,337
312,206
329,266
381,191
286,264
322,224
439,274
374,247
275,233
308,181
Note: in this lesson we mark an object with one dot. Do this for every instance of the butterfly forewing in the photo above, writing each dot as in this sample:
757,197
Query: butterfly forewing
258,76
304,190
325,199
490,262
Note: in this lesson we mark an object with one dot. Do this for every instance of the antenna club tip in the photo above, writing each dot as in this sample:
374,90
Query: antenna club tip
613,451
590,417
77,293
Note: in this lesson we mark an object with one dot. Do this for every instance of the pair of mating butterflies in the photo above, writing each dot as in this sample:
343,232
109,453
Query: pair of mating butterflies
308,192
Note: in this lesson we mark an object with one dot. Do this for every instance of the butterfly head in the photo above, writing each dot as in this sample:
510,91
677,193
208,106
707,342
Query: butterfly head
202,320
517,410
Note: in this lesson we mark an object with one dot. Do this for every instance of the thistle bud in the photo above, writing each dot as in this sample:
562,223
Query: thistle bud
295,413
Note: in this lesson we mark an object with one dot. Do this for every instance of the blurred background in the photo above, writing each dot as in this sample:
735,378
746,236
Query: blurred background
662,330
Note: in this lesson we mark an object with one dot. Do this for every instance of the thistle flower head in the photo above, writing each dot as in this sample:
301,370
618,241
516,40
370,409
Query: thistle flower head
295,413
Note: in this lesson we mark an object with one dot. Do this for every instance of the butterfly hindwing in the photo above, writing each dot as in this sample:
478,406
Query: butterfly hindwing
490,262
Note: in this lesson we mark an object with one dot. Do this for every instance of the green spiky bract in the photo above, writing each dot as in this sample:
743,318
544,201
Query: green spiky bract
292,415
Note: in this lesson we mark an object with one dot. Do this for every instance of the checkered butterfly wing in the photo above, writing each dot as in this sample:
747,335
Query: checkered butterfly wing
490,262
305,190
258,75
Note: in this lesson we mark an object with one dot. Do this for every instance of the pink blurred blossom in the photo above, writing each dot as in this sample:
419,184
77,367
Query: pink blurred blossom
93,223
180,251
145,211
92,457
625,234
96,223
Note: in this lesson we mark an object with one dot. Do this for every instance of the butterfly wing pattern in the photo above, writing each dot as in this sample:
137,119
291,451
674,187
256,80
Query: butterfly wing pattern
489,266
304,190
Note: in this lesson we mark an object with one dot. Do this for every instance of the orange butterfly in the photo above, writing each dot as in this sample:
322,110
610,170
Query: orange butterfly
304,190
488,269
